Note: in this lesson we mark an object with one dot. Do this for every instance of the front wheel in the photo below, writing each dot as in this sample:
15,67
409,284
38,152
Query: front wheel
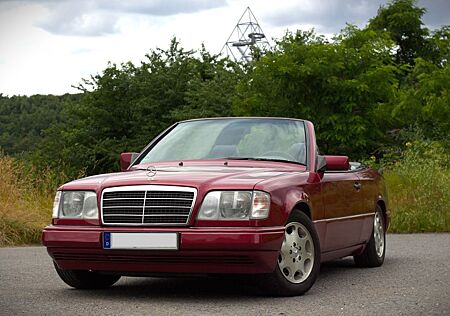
373,254
83,279
299,259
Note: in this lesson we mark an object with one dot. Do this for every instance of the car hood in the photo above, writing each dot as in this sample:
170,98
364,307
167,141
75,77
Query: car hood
236,175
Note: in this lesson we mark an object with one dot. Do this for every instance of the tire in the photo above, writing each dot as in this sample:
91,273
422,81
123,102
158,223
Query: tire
82,279
301,245
373,254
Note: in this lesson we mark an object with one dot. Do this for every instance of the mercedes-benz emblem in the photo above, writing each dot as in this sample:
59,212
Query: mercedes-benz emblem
151,171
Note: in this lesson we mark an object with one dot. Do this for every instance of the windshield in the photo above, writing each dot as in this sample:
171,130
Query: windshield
259,139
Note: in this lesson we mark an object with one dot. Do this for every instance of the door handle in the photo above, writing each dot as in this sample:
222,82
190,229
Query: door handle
357,186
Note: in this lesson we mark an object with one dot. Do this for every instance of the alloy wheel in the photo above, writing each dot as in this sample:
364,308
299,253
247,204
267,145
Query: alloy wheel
378,234
296,258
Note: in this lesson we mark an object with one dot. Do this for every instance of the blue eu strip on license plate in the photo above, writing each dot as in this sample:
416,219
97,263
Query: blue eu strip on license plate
106,240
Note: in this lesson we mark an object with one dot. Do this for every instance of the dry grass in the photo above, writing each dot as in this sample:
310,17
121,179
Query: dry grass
25,202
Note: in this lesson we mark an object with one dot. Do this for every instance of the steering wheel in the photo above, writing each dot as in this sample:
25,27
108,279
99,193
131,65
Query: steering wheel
278,154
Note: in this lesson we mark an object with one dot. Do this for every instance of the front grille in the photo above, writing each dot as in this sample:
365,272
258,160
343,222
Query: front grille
147,205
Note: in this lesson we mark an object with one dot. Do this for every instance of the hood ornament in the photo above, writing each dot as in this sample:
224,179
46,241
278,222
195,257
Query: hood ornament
151,172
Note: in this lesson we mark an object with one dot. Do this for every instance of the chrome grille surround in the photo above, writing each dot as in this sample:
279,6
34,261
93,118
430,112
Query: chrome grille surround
147,205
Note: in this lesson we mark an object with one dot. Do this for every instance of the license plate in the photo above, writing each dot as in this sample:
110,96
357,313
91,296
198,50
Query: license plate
151,241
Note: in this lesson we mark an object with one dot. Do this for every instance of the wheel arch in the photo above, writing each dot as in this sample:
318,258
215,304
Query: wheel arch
302,206
382,204
297,201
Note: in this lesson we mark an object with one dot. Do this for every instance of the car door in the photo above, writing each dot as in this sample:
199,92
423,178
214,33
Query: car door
343,206
369,193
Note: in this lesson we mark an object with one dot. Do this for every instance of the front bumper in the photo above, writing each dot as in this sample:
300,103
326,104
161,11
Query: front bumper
201,250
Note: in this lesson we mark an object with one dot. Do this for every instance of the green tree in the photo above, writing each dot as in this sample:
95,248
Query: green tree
210,90
123,108
357,88
341,86
440,46
426,101
23,120
402,20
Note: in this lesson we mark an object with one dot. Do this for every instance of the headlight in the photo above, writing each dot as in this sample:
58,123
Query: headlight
75,204
235,205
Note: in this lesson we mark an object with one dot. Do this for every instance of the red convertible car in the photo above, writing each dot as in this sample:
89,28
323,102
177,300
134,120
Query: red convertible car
215,196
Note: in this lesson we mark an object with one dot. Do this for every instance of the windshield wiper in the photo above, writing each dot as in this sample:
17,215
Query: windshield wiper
264,159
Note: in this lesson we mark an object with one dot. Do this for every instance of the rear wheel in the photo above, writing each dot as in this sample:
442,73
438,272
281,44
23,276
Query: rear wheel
82,279
373,254
299,259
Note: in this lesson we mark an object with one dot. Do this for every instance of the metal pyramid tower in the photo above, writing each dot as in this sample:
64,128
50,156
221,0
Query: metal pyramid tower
247,34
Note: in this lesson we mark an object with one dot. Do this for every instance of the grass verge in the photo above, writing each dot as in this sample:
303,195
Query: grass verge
25,202
418,185
419,189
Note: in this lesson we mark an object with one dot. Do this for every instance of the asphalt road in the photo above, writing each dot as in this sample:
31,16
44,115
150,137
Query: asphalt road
414,280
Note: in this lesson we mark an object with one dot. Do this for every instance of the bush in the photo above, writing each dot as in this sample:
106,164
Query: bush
419,188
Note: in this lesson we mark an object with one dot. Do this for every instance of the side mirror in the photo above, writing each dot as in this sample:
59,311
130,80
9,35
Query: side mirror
337,163
126,159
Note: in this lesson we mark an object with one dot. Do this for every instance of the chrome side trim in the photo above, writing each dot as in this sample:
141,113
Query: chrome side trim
343,217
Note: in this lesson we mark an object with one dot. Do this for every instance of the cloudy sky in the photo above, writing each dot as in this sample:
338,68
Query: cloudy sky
48,45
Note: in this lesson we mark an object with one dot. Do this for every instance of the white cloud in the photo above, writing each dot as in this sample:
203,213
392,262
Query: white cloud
97,18
160,7
63,22
46,46
328,16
